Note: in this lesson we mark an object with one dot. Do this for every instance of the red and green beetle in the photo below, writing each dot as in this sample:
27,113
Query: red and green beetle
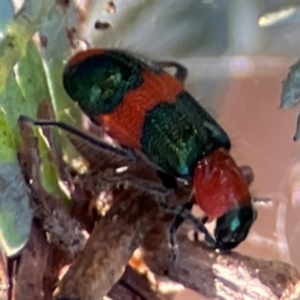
147,109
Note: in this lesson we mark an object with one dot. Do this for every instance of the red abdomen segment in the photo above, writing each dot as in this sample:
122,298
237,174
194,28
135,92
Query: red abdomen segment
125,123
218,184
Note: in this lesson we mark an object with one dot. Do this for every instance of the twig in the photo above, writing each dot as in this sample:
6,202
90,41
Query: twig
133,285
231,276
103,260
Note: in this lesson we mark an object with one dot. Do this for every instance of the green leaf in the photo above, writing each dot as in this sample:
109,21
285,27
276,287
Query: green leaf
15,213
7,149
31,78
33,84
19,32
12,103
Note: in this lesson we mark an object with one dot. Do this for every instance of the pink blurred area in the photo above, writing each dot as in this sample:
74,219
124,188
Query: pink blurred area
262,137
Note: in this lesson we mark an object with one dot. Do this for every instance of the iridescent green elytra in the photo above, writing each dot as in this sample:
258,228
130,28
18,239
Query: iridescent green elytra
176,136
98,84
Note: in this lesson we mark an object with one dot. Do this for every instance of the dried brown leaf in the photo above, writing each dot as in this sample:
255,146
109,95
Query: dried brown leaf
32,267
97,155
65,231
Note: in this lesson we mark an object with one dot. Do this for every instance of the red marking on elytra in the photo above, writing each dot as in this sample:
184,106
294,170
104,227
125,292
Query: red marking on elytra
83,55
125,123
219,184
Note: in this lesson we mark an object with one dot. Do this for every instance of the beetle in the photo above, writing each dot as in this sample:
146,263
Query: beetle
147,109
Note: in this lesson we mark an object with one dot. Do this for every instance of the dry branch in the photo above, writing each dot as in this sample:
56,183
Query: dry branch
133,285
102,262
227,276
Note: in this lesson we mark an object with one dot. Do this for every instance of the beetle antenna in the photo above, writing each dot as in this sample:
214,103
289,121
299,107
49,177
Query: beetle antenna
94,141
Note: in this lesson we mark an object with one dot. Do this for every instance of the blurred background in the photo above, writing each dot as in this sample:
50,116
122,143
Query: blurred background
237,53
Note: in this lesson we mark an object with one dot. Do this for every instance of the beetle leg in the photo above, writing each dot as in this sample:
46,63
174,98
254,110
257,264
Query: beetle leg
129,155
167,180
176,223
195,235
179,219
182,214
181,71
